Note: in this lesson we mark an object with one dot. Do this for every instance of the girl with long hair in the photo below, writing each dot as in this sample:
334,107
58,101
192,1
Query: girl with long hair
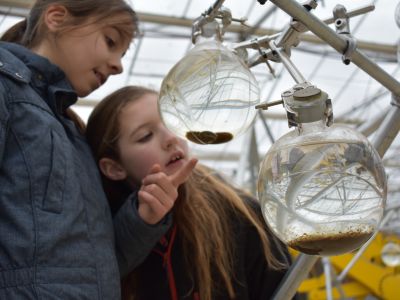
218,246
58,239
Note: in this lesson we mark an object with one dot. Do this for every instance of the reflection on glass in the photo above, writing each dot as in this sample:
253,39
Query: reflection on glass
209,96
391,254
322,190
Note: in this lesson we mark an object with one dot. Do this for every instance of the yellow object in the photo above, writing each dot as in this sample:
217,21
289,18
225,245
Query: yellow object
368,276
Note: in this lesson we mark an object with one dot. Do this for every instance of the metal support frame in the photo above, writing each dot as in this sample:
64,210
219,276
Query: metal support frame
337,42
328,280
383,138
297,273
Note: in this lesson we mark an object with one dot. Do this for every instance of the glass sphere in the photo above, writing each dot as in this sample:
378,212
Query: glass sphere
322,189
397,14
391,255
209,96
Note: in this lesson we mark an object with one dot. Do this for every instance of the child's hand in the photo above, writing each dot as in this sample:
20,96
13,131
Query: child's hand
159,191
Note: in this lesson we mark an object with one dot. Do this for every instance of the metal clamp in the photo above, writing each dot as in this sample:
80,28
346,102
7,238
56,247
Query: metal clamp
343,28
305,103
350,48
207,26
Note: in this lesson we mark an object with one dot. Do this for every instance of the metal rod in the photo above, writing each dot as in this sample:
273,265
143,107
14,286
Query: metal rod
296,274
372,125
324,32
292,69
257,42
292,30
354,13
388,131
212,10
328,280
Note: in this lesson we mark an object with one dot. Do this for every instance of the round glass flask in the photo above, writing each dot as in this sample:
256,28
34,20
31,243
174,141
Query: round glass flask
322,189
209,96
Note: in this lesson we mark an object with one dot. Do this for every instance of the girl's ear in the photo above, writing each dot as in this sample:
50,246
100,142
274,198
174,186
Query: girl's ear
55,16
112,169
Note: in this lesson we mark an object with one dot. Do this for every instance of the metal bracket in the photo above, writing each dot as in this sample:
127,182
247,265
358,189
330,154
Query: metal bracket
201,25
350,48
289,37
343,28
266,105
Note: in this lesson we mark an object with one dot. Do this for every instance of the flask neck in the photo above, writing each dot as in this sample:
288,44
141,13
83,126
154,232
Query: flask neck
207,39
311,127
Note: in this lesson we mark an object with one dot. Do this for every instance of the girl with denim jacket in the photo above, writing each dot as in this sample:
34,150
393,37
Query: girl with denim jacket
218,246
58,239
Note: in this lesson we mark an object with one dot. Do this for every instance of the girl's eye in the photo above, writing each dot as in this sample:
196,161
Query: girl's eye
145,138
110,42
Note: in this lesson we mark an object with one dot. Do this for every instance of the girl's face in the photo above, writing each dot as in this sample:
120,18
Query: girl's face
88,54
145,141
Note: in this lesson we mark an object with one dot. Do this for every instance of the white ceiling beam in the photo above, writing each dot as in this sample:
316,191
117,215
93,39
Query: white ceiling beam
185,22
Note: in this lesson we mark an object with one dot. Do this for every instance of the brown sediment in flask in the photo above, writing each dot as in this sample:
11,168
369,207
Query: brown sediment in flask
208,137
330,244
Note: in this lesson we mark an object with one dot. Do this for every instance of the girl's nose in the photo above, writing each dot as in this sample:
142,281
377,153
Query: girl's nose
170,139
116,64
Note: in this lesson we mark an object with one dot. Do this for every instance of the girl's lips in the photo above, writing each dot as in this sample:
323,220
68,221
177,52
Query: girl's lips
172,166
175,157
174,162
101,79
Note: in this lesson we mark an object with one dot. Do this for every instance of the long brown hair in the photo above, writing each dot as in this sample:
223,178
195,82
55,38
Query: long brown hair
30,31
102,132
202,213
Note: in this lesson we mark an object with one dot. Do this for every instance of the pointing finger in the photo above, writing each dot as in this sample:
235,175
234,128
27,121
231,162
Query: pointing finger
183,173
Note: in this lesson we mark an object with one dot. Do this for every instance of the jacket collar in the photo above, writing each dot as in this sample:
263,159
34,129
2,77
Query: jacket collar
46,78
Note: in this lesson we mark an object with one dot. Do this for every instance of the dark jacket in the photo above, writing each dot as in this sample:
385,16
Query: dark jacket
56,231
254,280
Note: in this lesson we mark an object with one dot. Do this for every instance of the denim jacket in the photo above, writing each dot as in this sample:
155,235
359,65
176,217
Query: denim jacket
58,239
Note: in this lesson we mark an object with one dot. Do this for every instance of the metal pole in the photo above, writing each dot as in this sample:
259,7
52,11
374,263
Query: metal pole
337,42
296,274
212,10
292,69
328,280
372,125
387,132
